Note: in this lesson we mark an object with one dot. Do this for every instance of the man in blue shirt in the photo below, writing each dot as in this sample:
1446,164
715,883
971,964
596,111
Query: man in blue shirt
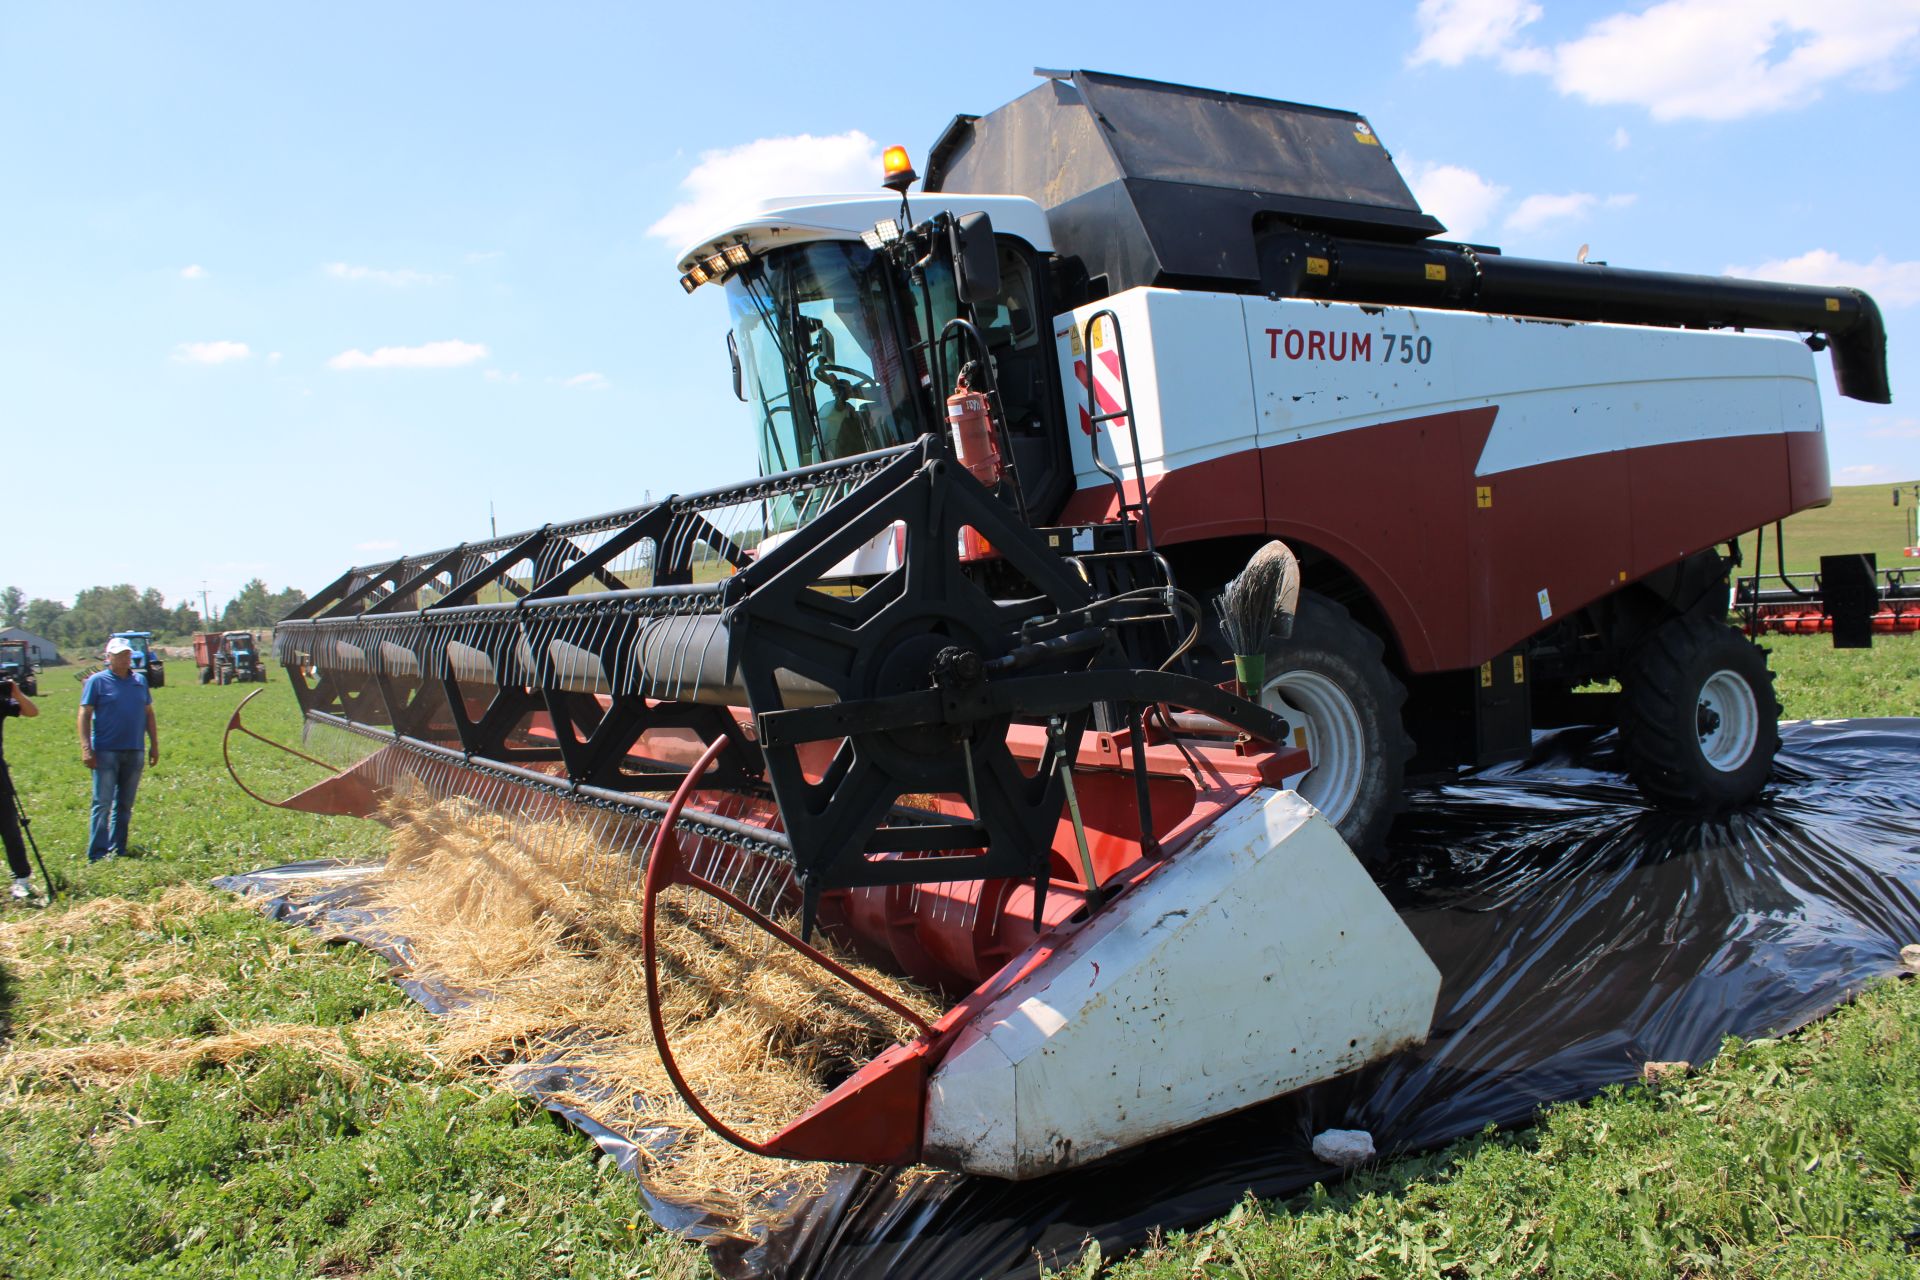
116,712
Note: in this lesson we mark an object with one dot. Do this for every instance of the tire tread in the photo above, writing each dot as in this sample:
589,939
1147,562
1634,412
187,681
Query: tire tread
1656,707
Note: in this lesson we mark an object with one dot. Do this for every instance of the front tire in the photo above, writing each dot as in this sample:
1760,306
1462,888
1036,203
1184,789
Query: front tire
1699,723
1330,680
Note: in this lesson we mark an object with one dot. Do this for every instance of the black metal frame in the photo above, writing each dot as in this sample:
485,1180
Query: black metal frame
913,684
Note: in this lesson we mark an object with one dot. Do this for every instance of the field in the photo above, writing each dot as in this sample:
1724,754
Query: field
1861,518
186,1089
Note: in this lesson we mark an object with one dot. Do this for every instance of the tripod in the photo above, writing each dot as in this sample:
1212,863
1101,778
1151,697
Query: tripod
26,827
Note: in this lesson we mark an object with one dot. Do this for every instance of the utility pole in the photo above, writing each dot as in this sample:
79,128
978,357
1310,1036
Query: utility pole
205,613
493,526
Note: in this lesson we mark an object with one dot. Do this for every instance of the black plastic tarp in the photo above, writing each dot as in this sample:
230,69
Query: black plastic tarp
1579,935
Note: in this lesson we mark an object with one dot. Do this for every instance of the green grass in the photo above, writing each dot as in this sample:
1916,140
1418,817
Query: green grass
1861,518
337,1146
1815,681
190,823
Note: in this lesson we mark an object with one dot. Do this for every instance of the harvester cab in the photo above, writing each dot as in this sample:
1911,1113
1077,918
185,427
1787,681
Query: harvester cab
997,675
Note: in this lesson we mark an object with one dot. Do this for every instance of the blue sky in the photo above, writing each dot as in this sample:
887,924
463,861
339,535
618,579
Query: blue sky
287,288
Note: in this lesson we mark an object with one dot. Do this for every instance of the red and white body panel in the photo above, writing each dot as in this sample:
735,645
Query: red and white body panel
1482,475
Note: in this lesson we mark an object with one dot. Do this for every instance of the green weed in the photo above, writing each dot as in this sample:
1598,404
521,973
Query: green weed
335,1145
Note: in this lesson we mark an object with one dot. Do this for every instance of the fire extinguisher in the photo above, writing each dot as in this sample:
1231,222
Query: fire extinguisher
973,436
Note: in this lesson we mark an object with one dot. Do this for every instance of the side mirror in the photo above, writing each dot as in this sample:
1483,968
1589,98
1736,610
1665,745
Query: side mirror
976,259
733,354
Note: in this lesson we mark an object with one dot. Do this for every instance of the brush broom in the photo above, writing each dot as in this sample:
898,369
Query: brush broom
1258,604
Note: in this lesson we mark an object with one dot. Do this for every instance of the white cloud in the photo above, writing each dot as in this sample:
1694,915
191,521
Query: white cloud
1894,428
273,357
1458,197
193,271
1862,473
1690,59
495,375
210,352
1452,31
1892,284
1537,211
1621,139
1725,59
398,279
587,382
377,544
490,255
726,183
448,354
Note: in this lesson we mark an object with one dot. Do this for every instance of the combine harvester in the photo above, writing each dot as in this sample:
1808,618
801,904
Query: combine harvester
946,682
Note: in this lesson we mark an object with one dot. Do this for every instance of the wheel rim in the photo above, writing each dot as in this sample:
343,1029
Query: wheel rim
1334,737
1727,720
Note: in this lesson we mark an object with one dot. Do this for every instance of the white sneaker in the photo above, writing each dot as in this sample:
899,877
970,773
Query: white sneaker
22,889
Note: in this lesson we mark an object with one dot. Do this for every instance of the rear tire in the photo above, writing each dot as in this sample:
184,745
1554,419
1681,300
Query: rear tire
1699,723
1330,678
206,675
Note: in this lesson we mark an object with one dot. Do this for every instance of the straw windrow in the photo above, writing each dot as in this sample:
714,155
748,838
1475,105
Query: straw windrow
548,928
538,919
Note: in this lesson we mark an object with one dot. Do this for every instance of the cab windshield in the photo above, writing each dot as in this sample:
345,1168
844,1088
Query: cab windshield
823,354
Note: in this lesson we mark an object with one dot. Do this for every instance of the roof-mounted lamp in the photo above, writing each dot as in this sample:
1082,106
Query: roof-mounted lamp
899,170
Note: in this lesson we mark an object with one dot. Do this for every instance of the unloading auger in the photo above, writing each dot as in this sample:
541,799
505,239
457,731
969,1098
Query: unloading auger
880,700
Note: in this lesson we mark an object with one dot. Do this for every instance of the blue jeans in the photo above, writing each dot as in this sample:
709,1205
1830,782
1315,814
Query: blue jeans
116,777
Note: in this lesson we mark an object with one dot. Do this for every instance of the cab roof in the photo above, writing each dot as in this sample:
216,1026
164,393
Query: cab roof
778,221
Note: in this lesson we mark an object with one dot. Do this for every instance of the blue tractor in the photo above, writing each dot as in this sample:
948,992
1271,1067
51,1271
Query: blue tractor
145,657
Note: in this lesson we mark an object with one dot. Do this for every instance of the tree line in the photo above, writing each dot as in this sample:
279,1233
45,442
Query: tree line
98,612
